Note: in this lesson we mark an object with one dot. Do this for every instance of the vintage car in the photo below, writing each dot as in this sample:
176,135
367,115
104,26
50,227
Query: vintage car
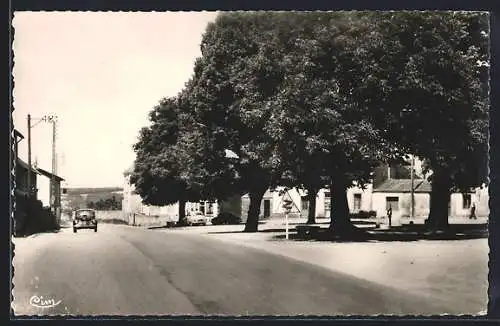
84,219
196,218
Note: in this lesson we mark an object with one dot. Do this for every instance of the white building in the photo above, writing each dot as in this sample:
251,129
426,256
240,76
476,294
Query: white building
272,202
396,193
388,191
132,204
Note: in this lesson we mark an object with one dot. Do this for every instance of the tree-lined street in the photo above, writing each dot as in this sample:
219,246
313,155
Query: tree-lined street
122,270
319,100
321,103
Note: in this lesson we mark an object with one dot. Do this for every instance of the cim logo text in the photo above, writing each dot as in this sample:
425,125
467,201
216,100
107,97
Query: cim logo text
41,302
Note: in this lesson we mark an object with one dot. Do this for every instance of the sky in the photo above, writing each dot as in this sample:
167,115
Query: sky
100,74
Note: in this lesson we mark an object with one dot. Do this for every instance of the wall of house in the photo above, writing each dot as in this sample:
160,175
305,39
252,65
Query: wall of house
462,210
379,205
270,196
299,210
365,202
22,179
482,199
132,203
323,203
422,205
107,215
43,185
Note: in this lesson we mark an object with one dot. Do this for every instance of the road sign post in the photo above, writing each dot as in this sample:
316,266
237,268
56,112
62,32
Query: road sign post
287,205
286,227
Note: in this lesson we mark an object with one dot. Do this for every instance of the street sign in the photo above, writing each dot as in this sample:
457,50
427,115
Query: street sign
287,205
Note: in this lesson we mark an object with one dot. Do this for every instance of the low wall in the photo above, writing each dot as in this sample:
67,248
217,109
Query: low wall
109,215
120,217
146,220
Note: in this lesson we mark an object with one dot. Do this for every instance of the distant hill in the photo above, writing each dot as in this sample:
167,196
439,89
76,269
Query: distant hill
88,197
81,191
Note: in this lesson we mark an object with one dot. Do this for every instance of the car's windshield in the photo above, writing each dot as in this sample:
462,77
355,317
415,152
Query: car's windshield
88,213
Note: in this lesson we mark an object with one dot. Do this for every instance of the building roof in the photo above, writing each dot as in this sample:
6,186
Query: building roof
49,175
25,166
38,170
404,185
17,133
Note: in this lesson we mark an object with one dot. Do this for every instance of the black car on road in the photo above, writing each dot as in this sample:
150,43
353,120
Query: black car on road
85,219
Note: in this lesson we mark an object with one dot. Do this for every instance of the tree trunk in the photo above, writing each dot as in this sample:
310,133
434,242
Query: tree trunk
182,213
339,208
219,206
311,197
439,200
252,222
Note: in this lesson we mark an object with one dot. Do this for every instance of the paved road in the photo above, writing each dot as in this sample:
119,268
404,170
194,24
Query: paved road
127,271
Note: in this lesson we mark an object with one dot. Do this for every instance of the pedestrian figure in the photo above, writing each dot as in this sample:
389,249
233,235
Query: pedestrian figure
389,215
473,212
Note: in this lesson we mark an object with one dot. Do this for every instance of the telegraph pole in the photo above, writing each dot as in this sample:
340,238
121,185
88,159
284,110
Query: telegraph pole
29,155
52,180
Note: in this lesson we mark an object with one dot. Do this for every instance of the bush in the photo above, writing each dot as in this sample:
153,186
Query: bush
226,218
363,215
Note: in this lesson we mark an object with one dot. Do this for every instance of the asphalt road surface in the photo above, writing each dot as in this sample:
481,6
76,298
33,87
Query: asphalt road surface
122,270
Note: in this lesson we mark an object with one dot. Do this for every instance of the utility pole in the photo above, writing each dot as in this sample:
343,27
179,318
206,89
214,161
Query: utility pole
412,187
54,168
29,156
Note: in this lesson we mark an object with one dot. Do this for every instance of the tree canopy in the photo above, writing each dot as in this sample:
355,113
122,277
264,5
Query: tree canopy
157,168
319,99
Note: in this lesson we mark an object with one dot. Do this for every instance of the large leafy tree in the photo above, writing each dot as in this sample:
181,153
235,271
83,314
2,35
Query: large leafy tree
426,82
233,80
202,154
321,134
280,85
157,167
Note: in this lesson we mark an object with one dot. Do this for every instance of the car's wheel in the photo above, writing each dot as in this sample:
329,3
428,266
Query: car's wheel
74,230
95,229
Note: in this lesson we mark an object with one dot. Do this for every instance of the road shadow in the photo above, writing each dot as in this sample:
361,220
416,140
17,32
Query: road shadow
159,227
33,234
398,234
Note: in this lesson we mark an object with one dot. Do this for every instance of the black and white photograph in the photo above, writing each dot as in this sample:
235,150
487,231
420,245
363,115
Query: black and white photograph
250,163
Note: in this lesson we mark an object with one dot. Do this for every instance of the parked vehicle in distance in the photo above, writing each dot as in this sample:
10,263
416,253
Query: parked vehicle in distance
85,219
226,218
196,219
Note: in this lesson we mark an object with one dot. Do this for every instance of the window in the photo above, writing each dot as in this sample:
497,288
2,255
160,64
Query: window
202,207
210,209
357,202
327,203
466,201
392,202
267,208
